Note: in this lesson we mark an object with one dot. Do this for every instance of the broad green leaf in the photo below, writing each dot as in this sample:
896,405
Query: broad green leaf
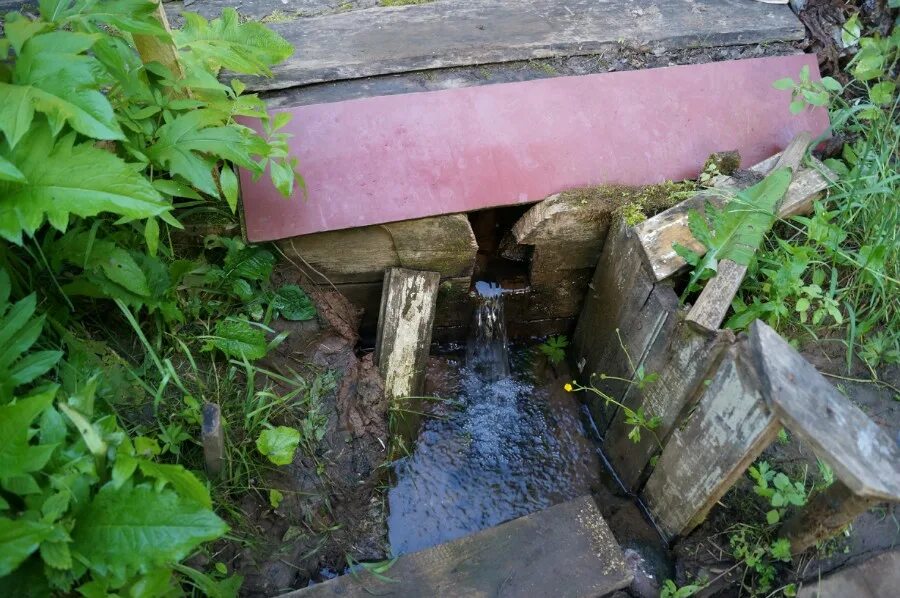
238,338
175,189
882,93
56,554
18,455
63,179
188,147
249,48
180,479
784,84
63,84
18,539
132,527
16,111
151,235
275,497
9,172
772,517
229,183
278,444
19,29
133,16
92,438
293,303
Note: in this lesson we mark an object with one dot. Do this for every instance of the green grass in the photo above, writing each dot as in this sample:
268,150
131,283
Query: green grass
835,274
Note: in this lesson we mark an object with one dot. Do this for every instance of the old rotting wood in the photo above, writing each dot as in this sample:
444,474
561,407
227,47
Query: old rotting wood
155,49
616,313
711,306
444,244
658,234
380,41
863,456
213,439
529,556
404,330
682,359
727,430
826,515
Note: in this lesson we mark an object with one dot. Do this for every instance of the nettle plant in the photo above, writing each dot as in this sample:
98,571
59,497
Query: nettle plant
109,126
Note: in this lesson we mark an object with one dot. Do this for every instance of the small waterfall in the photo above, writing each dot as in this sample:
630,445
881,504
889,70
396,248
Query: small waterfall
487,351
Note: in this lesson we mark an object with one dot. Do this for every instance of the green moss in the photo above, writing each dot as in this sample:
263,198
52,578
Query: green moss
633,204
543,66
278,16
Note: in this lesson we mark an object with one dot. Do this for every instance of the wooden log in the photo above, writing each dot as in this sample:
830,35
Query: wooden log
378,41
826,515
567,550
444,244
404,330
682,359
727,431
711,306
863,455
213,439
658,234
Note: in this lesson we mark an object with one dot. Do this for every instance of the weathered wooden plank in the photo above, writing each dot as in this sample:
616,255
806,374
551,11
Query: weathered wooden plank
826,515
659,233
567,550
682,359
619,288
576,216
703,458
876,577
444,244
404,330
864,456
452,33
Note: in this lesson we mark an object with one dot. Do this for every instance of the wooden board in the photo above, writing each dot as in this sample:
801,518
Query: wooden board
404,330
659,233
703,458
863,455
564,551
682,359
444,244
448,33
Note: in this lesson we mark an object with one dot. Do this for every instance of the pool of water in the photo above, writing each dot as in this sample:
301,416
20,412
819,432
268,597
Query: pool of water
497,449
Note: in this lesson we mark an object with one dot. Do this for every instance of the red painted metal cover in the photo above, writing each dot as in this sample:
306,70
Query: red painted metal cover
391,158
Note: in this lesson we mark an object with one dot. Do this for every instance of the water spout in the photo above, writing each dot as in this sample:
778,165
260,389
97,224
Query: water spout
487,351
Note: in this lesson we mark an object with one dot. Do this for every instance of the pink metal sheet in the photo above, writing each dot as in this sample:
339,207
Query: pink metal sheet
390,158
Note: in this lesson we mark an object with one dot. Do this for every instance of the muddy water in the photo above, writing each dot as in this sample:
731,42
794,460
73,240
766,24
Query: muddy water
509,443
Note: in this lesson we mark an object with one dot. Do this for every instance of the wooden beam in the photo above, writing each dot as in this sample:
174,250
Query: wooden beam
379,41
403,340
566,550
711,306
826,515
727,431
863,455
658,234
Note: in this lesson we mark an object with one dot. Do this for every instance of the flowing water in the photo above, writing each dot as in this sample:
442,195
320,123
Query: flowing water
506,445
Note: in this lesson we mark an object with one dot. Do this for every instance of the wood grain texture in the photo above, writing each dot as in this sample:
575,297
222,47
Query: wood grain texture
659,233
566,551
683,359
405,321
863,456
711,306
614,309
444,244
451,33
706,455
213,439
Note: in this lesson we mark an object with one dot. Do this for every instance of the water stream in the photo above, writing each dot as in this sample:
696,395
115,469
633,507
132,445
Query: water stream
508,443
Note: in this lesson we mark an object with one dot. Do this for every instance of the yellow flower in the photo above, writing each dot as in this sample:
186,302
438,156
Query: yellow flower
568,387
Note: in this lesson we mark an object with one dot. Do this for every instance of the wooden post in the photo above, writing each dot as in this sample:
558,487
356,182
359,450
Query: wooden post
403,340
729,428
826,515
160,49
864,457
213,439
